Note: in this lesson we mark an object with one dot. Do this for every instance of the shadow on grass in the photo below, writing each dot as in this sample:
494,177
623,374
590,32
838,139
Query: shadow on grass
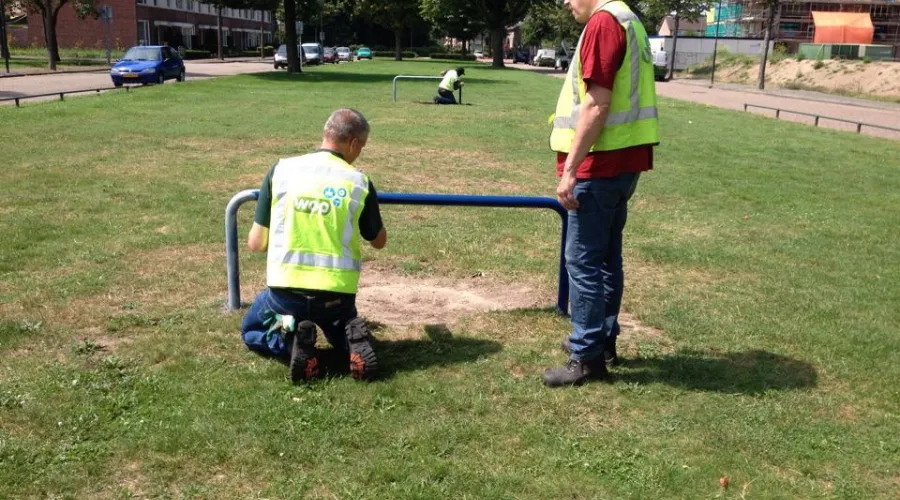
441,348
749,372
314,76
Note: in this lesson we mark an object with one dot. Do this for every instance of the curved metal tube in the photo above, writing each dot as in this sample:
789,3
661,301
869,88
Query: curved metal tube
453,200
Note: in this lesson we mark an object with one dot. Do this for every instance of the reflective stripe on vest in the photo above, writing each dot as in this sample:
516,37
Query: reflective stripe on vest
632,95
314,240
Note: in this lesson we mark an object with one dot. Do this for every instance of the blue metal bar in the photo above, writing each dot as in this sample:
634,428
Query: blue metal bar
456,200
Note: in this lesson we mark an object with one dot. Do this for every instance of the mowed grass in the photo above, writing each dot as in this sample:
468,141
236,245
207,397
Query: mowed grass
763,252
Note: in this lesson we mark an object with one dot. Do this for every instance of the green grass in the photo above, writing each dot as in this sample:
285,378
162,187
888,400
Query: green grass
764,251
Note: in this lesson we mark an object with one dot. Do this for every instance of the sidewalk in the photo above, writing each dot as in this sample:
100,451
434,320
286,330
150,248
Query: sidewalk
732,96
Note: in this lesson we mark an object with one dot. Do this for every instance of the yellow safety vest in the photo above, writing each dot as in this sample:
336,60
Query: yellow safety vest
632,119
449,80
314,240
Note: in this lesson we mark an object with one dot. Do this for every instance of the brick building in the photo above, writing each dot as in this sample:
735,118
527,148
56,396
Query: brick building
154,22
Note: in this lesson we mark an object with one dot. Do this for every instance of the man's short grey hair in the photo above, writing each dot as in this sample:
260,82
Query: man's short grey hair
345,125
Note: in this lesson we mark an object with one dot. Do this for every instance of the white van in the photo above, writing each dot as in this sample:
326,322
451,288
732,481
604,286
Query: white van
313,52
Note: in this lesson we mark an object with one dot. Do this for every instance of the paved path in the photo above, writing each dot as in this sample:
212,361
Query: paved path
43,84
731,96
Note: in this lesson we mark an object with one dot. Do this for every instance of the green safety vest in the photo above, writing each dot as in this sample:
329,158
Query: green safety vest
314,240
449,80
632,119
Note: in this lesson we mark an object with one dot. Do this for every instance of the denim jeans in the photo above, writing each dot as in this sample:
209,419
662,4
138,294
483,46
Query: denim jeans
330,312
445,97
594,261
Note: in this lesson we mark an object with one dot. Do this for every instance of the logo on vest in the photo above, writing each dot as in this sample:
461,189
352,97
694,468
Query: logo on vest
312,205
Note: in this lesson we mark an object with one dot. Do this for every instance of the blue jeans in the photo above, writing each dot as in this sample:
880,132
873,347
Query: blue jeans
445,97
330,312
594,261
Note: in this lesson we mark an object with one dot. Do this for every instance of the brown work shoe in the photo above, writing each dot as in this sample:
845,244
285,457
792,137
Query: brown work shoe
304,362
576,372
363,362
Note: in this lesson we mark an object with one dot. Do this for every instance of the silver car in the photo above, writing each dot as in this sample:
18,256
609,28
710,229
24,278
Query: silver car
344,54
281,60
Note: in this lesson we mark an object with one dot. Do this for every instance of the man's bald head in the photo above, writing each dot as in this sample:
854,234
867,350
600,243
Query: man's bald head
346,132
344,125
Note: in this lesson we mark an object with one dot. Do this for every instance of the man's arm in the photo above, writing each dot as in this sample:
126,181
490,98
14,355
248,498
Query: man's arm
258,240
380,241
594,111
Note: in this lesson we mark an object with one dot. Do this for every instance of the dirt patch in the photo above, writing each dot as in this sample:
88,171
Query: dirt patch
392,299
877,78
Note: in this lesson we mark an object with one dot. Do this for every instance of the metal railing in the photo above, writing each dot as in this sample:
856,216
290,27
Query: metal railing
859,124
61,94
562,297
415,77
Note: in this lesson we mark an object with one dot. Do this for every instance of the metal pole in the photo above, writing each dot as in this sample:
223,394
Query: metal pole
562,300
712,75
231,245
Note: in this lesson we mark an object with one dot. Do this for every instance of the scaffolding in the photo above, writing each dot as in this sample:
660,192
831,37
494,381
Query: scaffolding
794,22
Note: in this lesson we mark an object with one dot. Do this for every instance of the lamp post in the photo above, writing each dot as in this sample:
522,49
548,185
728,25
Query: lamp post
712,75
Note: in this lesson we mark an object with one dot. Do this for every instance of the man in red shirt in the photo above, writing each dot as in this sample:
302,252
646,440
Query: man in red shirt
596,183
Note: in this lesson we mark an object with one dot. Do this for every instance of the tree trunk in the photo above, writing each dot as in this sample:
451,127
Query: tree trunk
497,37
219,33
398,43
770,19
4,48
262,39
671,74
50,39
464,47
290,33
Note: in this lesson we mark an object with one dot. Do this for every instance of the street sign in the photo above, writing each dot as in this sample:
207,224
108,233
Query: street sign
299,25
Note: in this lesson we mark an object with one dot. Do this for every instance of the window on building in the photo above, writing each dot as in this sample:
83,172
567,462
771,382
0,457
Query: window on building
142,2
190,5
179,4
143,32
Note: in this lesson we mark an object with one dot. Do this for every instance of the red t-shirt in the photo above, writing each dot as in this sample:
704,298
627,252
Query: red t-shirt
602,53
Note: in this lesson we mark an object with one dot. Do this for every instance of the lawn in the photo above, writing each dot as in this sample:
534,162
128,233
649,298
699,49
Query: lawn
762,271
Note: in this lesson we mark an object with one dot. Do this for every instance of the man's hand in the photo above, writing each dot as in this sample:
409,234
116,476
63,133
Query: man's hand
565,192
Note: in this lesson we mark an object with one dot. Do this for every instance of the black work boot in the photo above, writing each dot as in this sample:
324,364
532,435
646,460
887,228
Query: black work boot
609,350
304,362
363,363
576,373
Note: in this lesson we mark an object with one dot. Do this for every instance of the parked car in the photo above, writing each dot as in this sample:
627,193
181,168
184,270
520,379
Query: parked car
479,54
344,54
660,65
312,52
544,57
281,60
520,56
148,64
363,53
330,55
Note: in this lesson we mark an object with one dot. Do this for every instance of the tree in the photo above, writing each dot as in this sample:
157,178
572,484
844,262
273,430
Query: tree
497,16
549,23
395,15
771,7
49,11
453,19
690,10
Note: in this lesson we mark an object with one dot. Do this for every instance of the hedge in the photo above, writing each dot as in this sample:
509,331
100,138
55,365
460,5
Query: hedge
197,54
454,57
390,53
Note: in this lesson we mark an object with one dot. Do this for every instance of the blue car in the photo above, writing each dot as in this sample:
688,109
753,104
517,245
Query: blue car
148,64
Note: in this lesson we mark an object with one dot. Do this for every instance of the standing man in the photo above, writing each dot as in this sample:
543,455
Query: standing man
604,130
451,82
312,212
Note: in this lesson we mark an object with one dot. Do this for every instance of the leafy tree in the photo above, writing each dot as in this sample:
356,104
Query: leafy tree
49,12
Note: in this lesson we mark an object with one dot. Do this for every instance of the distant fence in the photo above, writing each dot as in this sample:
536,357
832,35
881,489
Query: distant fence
859,124
61,94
